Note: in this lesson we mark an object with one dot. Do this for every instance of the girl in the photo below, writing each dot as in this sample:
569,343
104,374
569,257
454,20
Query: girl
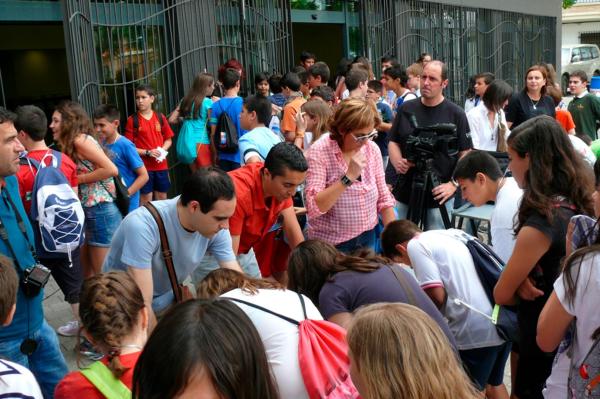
115,320
313,121
195,110
487,121
204,349
556,185
397,351
261,84
73,131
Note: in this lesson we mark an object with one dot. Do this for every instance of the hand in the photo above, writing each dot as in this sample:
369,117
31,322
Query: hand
301,121
215,99
357,163
403,165
155,153
528,291
275,109
443,192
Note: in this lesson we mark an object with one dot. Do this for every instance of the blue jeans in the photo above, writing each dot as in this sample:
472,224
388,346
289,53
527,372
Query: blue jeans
47,362
366,239
434,217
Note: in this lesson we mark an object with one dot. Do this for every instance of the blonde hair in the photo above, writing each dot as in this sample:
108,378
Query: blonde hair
220,281
415,69
400,352
350,115
320,110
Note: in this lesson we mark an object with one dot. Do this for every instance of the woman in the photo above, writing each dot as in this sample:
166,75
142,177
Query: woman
72,130
340,284
487,121
193,143
345,184
556,185
279,337
532,100
480,83
312,122
115,320
397,351
204,349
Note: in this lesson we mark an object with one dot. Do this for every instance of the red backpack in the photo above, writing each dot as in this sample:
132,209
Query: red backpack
322,354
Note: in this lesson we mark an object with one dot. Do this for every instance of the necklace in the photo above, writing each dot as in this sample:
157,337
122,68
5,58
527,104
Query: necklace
132,346
534,103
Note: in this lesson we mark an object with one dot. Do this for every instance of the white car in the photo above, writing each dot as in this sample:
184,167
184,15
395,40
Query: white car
575,57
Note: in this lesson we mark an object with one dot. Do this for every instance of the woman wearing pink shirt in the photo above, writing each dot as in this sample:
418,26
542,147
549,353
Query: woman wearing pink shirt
345,184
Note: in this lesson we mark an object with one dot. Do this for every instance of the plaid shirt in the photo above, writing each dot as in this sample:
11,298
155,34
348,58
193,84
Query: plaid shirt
357,209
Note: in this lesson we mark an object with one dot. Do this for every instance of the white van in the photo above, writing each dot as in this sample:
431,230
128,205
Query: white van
579,56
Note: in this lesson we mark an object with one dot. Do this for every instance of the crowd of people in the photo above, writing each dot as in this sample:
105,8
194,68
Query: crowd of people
310,252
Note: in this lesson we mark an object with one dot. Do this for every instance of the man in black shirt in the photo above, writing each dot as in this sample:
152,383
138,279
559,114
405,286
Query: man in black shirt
431,108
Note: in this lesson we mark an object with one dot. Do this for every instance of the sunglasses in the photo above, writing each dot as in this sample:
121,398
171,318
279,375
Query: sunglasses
365,137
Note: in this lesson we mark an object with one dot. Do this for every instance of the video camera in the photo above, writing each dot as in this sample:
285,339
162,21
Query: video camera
424,142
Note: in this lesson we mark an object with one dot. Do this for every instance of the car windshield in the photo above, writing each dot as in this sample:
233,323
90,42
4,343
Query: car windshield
566,56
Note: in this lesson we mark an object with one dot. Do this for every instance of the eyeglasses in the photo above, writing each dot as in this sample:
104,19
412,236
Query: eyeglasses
364,137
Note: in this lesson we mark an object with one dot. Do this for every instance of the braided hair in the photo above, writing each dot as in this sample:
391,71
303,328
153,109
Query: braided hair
109,309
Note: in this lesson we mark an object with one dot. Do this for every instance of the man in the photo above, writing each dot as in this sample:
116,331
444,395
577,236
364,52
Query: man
585,107
264,195
429,109
396,79
195,222
356,83
28,340
480,179
307,59
318,75
446,272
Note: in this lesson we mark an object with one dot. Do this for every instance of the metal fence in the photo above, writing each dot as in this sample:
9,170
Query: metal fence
469,40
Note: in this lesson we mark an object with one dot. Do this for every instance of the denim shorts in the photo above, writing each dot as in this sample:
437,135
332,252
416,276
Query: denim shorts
101,222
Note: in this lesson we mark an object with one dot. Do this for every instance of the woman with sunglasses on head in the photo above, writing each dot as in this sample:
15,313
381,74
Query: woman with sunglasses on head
345,184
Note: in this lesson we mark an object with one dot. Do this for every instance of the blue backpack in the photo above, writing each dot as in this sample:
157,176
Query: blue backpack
56,211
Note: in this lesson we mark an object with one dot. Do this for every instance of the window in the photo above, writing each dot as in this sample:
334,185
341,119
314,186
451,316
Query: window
576,53
595,53
586,54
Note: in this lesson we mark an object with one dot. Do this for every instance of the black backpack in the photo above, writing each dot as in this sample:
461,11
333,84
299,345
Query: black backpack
136,123
226,134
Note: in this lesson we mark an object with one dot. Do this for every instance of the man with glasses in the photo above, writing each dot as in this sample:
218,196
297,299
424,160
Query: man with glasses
431,108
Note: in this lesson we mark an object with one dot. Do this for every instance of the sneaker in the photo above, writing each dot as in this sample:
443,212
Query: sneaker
87,349
69,330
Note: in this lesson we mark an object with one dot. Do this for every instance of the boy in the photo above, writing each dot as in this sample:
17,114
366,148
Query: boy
374,88
584,107
122,152
277,97
356,83
307,59
256,144
291,90
318,75
480,179
15,380
231,103
305,84
396,79
152,137
414,72
31,125
446,272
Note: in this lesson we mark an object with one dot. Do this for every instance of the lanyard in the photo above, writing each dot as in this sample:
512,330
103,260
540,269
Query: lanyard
4,233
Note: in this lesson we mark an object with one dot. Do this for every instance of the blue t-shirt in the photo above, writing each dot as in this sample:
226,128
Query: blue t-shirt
125,156
278,99
29,314
387,116
198,125
233,107
259,140
136,243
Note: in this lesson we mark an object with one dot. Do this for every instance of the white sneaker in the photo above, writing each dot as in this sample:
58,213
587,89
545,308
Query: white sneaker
69,330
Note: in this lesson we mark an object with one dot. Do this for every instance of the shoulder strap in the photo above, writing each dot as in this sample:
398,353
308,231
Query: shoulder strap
405,286
288,319
160,121
102,378
166,251
136,124
303,305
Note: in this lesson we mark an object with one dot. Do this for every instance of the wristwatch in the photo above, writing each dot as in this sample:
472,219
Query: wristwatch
346,181
147,153
454,183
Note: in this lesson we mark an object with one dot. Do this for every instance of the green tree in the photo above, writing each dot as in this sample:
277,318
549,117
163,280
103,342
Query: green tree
568,3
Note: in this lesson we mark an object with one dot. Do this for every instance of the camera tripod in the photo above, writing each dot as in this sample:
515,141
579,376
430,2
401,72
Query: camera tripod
424,180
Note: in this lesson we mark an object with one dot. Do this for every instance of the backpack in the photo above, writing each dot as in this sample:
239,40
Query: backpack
584,379
104,380
489,267
55,210
322,354
136,122
226,134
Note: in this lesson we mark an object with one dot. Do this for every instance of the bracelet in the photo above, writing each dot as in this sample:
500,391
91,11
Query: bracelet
454,183
300,134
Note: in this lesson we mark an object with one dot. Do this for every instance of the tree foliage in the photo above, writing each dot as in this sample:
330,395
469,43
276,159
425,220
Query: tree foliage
568,3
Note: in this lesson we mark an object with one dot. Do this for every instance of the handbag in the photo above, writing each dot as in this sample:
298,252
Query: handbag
181,292
121,197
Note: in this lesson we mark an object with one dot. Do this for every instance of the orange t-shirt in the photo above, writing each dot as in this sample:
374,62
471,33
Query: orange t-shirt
288,124
565,119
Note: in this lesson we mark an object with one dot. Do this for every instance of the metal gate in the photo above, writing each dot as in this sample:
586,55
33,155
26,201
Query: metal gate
469,40
114,45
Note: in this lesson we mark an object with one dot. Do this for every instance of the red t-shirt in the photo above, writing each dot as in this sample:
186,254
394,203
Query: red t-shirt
253,217
26,174
151,134
76,386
